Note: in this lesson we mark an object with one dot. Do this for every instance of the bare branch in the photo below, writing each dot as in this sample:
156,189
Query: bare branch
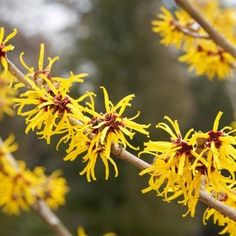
50,218
216,36
123,154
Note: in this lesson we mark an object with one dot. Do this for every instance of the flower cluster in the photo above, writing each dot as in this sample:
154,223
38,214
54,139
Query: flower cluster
49,109
20,188
183,32
185,164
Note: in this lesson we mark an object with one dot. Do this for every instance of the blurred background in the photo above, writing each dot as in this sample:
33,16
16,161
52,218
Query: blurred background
112,41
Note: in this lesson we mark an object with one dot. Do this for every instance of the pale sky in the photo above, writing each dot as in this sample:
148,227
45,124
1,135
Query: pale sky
40,16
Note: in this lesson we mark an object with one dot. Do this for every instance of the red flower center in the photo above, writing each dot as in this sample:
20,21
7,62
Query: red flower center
184,147
2,53
112,122
214,137
60,104
203,169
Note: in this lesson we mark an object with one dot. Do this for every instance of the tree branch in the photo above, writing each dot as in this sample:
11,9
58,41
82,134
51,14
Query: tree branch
204,197
50,218
42,209
207,26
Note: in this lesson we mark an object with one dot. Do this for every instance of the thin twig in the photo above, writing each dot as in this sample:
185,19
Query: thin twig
193,34
215,35
50,218
123,154
189,32
42,209
16,72
204,197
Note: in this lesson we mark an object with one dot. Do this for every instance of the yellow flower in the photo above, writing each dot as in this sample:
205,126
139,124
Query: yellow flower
5,48
183,165
206,58
200,52
16,188
170,172
50,108
20,188
42,71
103,130
173,29
52,189
15,181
